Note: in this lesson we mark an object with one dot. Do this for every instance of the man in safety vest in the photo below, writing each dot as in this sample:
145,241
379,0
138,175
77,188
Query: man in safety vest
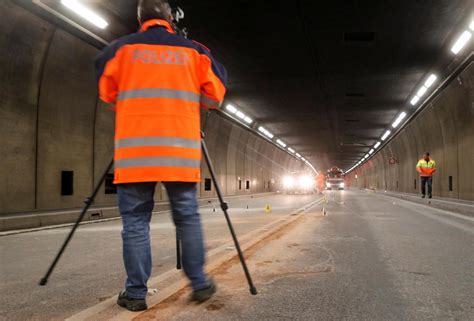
158,80
426,167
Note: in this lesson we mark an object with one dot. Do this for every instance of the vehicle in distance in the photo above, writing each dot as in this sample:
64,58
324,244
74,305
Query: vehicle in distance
335,179
299,183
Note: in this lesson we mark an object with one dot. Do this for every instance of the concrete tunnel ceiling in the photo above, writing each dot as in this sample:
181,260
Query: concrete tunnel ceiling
327,78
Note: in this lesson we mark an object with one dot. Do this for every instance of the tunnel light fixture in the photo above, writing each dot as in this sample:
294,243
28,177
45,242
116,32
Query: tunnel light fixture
471,26
461,42
265,132
291,150
282,144
303,159
430,81
85,13
414,100
240,114
377,145
366,156
387,133
399,119
231,109
371,151
248,120
421,91
298,155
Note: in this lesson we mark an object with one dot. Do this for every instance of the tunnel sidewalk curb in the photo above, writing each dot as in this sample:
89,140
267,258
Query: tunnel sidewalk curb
216,258
52,220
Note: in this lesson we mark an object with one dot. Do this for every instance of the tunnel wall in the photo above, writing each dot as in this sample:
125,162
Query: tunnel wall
52,121
445,128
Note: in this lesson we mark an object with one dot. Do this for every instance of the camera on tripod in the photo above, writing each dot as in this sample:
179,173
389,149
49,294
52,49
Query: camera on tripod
178,14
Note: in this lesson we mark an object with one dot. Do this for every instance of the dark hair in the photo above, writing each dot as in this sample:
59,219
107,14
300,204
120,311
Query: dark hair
153,9
427,154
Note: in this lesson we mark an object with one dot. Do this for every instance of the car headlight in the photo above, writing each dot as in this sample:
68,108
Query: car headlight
328,184
306,182
288,182
341,185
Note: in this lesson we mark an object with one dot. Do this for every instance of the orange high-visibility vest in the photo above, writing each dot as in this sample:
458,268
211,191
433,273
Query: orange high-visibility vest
158,81
426,168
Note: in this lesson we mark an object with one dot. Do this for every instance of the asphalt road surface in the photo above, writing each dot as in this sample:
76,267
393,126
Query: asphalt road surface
91,269
371,258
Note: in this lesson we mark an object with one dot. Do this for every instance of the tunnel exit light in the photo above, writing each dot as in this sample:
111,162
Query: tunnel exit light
387,133
461,42
399,119
85,13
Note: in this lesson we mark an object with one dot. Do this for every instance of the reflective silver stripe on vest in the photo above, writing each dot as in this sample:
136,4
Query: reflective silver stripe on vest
206,101
157,142
159,93
158,162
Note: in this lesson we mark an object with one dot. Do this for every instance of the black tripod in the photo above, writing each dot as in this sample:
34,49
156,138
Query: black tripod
88,202
224,207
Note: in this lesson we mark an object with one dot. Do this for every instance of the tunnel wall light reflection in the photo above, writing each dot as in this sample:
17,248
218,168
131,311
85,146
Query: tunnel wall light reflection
85,13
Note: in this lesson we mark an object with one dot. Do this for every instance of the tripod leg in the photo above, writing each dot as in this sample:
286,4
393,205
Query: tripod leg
178,252
88,202
224,207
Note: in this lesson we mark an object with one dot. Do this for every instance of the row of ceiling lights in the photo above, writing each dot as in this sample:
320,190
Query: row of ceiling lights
460,43
248,121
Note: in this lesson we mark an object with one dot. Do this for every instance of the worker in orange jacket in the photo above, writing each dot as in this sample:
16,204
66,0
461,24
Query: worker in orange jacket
158,80
426,167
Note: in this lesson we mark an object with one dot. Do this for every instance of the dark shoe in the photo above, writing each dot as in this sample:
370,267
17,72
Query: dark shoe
423,196
131,304
204,294
431,196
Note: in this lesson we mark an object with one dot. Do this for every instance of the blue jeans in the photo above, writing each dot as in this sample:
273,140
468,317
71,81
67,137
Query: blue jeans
426,180
136,205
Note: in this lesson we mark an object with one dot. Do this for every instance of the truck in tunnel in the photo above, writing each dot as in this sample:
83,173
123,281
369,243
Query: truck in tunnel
168,160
